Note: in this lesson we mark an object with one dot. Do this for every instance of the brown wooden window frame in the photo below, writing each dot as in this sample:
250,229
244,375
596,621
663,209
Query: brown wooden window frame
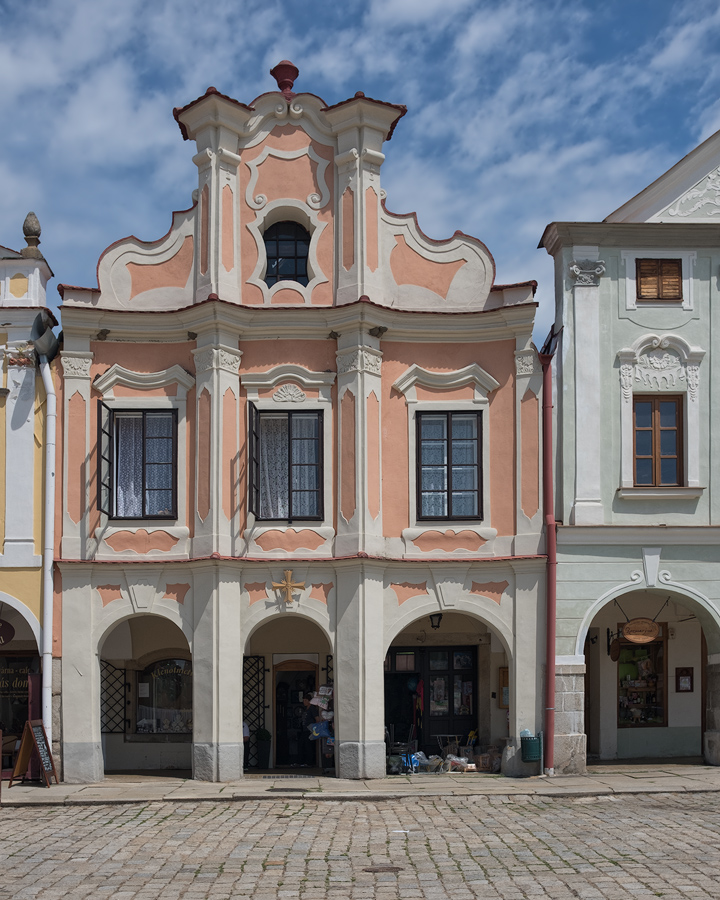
664,270
656,430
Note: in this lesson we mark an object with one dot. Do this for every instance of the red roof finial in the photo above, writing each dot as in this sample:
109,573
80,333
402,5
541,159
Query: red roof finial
285,74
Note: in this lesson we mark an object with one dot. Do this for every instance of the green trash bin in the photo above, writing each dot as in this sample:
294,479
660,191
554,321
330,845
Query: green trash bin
530,749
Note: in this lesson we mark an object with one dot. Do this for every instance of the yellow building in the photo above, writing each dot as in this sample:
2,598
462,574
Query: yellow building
26,469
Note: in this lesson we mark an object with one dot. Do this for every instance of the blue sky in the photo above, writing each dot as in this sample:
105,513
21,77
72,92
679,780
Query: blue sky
520,112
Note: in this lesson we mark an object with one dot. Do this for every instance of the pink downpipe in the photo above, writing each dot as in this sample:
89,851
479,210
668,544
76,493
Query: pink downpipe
551,572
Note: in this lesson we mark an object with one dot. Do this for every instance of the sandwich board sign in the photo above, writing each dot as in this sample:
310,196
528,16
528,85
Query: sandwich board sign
34,738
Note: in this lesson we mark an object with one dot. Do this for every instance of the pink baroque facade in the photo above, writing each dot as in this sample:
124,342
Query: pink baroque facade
293,429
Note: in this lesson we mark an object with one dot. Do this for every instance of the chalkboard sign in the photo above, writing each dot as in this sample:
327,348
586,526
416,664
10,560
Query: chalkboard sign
34,738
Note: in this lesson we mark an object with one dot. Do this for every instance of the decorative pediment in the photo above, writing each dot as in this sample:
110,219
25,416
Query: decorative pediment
660,363
483,382
144,381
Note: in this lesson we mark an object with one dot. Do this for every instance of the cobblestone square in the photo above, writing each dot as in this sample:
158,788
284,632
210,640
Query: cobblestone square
658,845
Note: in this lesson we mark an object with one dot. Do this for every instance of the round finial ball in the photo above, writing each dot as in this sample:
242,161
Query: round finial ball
31,226
359,93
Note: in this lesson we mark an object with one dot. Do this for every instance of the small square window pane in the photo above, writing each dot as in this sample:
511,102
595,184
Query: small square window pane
272,266
433,478
158,425
301,266
464,479
270,280
433,453
286,266
302,248
305,504
668,471
433,505
668,414
305,426
305,451
464,427
158,503
304,478
433,427
286,248
286,231
643,443
643,471
271,248
643,414
158,476
464,452
464,503
668,443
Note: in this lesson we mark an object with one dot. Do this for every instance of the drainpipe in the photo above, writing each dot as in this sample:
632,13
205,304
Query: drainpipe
546,356
48,545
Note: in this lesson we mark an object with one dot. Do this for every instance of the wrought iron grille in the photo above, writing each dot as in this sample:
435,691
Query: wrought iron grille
112,699
329,670
254,700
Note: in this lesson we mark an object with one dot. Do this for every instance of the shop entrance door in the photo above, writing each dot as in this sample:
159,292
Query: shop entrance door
432,692
292,679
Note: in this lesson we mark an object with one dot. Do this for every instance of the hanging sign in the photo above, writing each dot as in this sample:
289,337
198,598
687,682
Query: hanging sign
640,631
7,632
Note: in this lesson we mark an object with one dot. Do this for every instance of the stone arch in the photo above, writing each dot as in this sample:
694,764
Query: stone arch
26,613
124,611
256,621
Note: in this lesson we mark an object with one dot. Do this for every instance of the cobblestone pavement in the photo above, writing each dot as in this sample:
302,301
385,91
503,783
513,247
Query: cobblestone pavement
658,845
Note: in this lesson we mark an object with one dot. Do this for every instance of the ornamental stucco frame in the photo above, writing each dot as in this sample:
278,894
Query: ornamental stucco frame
688,258
322,382
105,384
483,384
637,377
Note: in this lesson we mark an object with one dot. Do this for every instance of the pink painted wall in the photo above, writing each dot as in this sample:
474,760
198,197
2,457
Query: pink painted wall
76,473
174,272
498,360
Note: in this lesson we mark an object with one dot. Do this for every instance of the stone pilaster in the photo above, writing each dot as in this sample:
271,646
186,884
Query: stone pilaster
76,450
359,363
216,367
586,271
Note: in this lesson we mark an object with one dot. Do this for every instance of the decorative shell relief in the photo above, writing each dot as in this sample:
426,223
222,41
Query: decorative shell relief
289,393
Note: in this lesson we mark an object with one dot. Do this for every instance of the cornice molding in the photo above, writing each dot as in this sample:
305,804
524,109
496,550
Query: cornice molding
484,382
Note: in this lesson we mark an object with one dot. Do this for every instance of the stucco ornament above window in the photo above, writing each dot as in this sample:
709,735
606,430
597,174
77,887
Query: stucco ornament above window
660,363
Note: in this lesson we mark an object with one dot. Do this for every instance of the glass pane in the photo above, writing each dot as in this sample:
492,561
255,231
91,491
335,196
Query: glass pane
668,443
668,471
464,479
165,698
464,452
643,471
305,504
272,267
305,426
302,248
304,478
464,504
158,450
464,427
158,503
643,414
433,478
271,247
462,659
439,705
128,474
643,443
433,453
462,697
668,414
404,661
301,267
158,476
158,425
434,505
273,466
304,451
286,248
433,427
286,266
438,660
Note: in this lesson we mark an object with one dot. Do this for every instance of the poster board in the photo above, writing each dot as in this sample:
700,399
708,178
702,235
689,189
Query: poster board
34,738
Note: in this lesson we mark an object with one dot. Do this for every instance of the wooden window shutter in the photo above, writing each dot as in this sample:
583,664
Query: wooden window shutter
671,279
254,460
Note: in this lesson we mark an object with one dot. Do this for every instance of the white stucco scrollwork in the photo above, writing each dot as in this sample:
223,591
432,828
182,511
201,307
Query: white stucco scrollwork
76,366
525,363
289,393
217,358
587,272
701,200
659,370
626,381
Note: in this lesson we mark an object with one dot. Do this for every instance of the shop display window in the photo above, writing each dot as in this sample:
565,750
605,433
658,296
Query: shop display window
164,691
642,682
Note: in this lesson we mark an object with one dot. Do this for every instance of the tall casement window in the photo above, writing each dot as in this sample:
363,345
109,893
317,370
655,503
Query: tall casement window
658,441
449,477
286,248
659,279
286,465
137,463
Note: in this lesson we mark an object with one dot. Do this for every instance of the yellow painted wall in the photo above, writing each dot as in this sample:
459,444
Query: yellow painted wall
24,585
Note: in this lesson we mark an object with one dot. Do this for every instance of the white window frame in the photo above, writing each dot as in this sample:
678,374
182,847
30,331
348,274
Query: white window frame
630,257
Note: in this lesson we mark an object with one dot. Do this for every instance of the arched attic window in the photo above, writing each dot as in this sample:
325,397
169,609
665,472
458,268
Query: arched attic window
286,249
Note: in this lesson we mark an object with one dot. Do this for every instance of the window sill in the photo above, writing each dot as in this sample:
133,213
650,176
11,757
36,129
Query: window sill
660,493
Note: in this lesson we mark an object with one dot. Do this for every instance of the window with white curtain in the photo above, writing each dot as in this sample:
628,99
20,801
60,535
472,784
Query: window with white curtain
285,465
137,463
449,472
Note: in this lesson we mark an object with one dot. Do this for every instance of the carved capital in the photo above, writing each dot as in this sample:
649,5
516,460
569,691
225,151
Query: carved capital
587,272
217,358
76,365
360,360
525,363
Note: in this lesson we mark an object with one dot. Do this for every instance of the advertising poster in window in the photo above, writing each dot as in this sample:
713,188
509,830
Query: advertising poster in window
439,696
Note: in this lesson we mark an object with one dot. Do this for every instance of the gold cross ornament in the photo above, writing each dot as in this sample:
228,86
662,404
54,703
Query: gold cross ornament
288,585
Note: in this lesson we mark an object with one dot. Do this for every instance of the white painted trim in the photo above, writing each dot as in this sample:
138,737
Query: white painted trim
143,381
26,613
570,660
254,381
640,535
688,257
660,493
484,383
